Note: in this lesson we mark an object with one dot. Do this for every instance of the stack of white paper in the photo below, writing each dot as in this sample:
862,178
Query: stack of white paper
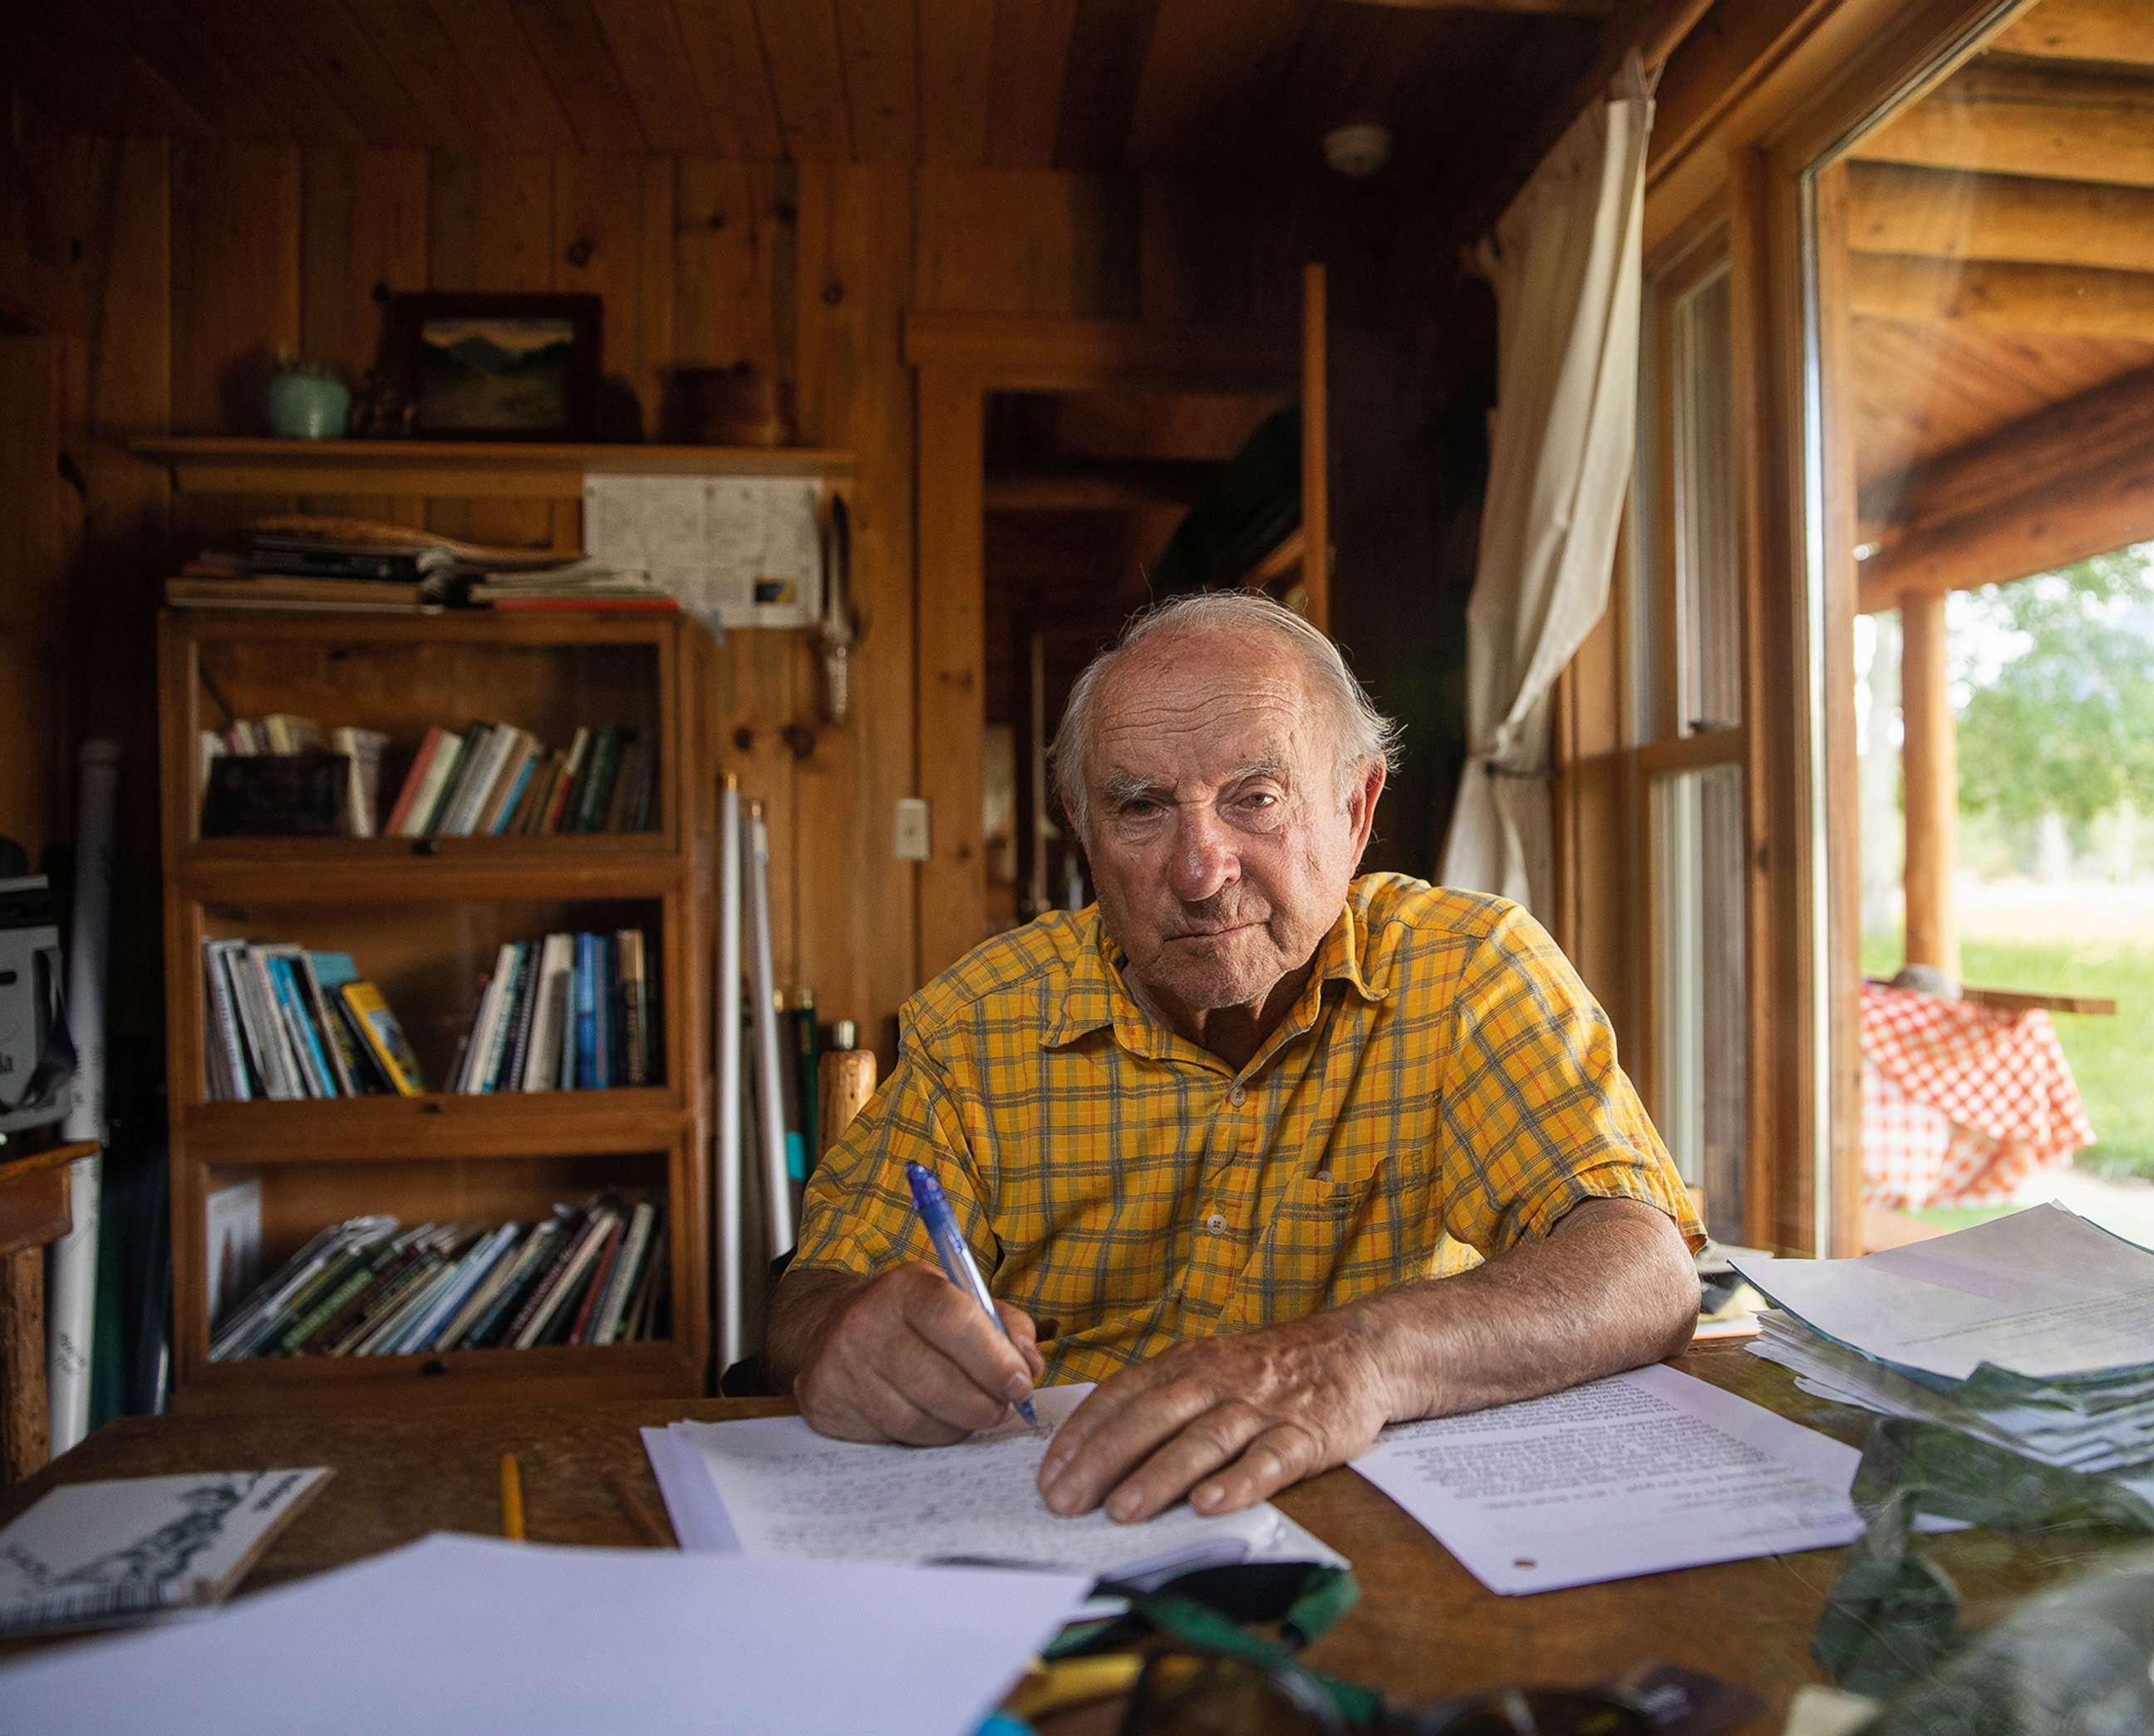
771,1486
465,1634
2034,1332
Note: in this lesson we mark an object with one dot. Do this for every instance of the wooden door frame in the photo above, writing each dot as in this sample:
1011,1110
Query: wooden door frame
959,359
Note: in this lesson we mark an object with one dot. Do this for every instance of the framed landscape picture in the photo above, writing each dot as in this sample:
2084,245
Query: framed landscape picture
495,367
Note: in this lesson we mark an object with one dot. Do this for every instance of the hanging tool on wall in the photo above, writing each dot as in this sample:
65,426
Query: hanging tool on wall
840,626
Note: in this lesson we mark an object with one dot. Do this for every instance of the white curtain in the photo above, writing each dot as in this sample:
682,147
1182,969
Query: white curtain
1565,261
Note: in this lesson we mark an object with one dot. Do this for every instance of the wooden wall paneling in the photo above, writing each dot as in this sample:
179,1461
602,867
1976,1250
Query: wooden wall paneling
502,74
169,36
856,392
339,49
572,52
47,49
613,238
362,239
881,43
34,584
950,458
1030,58
1026,242
733,251
652,56
1596,889
800,45
724,56
490,226
957,72
1108,43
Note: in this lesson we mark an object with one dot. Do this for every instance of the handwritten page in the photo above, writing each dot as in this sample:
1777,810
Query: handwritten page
473,1634
779,1488
739,551
1638,1473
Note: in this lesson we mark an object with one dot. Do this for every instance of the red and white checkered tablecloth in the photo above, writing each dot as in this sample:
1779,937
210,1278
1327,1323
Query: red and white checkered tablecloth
1961,1104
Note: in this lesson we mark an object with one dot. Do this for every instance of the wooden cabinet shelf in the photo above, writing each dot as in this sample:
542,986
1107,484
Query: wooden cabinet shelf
455,469
424,921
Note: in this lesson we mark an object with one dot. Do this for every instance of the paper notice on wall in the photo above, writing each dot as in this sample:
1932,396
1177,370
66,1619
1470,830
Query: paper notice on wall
739,551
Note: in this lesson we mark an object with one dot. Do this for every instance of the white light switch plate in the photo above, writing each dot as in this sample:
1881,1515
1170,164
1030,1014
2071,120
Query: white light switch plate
912,845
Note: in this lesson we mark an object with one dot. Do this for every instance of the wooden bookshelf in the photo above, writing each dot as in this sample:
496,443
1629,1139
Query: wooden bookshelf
455,469
422,917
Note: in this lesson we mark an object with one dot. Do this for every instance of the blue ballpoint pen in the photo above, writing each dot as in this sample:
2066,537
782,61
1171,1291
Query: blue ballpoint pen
956,1255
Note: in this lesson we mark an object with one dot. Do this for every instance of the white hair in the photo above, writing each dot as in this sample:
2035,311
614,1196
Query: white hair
1359,733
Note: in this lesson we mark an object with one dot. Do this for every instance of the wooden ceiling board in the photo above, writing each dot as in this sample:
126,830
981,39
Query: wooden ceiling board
800,45
1028,66
169,36
344,59
571,50
2116,30
459,108
251,35
1920,390
725,57
1108,42
75,73
652,57
1211,67
1940,213
497,61
956,79
881,43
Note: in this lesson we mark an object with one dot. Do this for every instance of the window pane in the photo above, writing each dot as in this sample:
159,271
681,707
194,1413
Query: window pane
1701,1089
1709,624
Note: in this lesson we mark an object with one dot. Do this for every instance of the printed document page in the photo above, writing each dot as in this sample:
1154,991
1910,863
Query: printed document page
2042,1293
474,1634
771,1486
1638,1473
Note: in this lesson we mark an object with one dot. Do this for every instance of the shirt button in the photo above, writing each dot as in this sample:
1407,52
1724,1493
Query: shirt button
1237,1096
1217,1224
1323,1174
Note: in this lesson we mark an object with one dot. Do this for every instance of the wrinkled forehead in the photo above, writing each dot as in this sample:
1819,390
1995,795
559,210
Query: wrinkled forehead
1192,707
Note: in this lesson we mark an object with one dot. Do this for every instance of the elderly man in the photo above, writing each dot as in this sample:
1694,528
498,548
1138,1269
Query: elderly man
1276,1155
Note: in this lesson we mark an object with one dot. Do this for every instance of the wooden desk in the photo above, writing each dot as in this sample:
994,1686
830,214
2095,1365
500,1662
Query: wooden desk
1424,1627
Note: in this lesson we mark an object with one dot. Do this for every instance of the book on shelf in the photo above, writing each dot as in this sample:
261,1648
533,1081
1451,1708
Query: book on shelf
265,777
284,1023
567,1011
588,1274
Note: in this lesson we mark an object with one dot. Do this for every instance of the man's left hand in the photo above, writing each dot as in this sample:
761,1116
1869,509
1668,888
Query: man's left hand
1227,1422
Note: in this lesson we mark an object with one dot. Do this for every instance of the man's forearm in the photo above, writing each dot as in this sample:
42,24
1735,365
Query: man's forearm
1612,1288
805,1302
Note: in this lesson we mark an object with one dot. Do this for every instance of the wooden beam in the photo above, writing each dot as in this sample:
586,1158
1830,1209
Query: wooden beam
1077,486
1943,214
2073,480
1929,768
2082,30
1052,352
2062,300
2021,119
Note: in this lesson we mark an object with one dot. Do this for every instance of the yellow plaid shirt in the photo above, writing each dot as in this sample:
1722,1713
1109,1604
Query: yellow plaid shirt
1443,1088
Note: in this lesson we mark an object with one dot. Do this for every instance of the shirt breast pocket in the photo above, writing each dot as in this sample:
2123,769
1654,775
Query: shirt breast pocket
1333,1237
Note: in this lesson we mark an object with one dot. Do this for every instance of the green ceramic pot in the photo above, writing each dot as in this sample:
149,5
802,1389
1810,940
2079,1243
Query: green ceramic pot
308,403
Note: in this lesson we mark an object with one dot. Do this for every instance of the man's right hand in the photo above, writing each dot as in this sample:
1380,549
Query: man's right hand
908,1356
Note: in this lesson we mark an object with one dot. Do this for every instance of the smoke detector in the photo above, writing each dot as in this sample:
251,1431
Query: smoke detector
1358,150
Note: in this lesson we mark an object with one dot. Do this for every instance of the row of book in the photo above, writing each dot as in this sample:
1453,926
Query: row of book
593,1275
287,1023
497,780
572,1012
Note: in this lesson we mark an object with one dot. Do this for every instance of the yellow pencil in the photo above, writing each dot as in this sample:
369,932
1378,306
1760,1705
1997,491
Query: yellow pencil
511,1499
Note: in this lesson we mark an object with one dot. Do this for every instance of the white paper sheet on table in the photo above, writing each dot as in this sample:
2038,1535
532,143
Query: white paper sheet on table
771,1486
1642,1472
2042,1292
465,1634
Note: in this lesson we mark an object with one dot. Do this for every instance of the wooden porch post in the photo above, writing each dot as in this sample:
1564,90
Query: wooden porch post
1930,767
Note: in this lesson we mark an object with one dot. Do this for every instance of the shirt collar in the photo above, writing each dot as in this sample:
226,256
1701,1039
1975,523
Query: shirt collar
1096,998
